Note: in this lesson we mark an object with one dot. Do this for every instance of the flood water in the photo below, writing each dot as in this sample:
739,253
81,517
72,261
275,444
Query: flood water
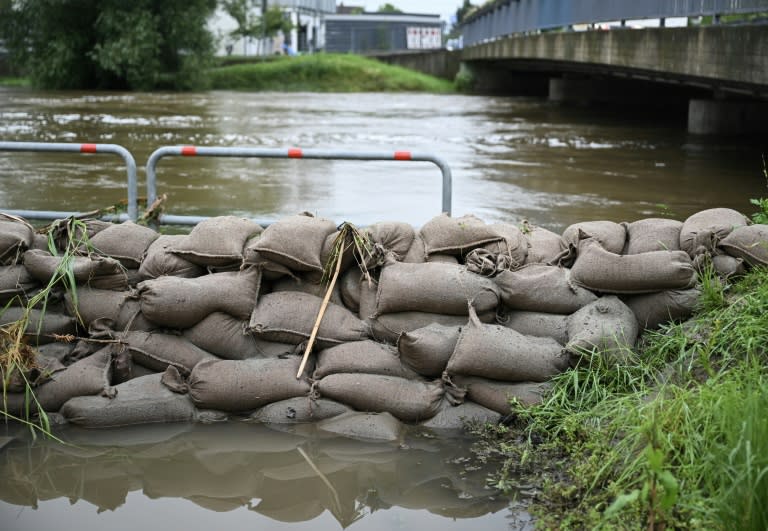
512,159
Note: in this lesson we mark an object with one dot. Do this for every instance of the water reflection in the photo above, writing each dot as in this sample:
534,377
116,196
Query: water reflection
231,466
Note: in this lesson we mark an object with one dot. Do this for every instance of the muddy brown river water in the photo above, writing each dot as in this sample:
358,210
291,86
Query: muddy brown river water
511,158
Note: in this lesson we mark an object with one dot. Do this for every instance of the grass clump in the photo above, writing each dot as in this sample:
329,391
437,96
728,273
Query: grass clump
676,436
324,73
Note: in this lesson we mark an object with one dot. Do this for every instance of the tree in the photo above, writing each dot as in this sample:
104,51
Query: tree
388,8
251,26
110,44
466,8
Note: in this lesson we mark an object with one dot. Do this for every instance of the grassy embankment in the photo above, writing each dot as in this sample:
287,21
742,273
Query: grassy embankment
674,437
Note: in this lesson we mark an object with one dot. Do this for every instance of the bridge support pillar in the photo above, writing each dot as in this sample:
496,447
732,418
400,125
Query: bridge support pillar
726,117
567,90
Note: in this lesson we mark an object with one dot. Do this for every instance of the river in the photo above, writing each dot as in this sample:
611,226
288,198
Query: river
511,158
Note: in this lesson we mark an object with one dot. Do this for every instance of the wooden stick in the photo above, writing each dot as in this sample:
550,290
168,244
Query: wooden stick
323,306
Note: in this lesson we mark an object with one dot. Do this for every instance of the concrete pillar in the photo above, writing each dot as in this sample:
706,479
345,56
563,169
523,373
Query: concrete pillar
723,117
566,90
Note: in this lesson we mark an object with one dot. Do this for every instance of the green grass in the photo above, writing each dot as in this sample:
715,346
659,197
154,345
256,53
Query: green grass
325,73
14,82
675,437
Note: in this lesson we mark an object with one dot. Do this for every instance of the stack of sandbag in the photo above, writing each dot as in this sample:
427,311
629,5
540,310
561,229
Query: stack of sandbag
436,326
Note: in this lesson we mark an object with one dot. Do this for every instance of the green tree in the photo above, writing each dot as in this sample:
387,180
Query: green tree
466,8
110,44
389,8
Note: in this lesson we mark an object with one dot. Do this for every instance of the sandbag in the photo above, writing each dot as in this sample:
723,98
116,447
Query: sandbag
298,410
544,246
380,427
349,289
702,231
41,371
367,357
610,235
126,242
599,270
443,259
157,351
143,400
427,350
160,261
42,326
542,288
652,234
308,285
392,236
513,244
724,265
217,241
99,272
458,417
493,351
229,338
288,317
539,324
446,235
408,400
607,325
496,395
244,385
433,288
17,284
416,254
748,243
294,242
118,310
16,236
72,231
655,309
176,302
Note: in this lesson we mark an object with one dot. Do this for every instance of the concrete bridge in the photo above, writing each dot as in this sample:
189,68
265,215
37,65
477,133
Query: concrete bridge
533,47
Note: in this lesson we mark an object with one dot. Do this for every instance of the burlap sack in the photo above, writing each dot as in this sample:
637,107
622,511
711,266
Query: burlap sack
408,400
544,246
702,231
496,395
654,309
118,310
160,261
99,272
748,243
542,288
244,385
416,254
229,338
66,232
538,324
349,289
176,302
446,235
443,259
41,326
433,288
298,410
17,285
16,236
367,357
607,325
379,427
157,351
294,242
513,244
217,241
653,234
599,270
427,350
611,236
127,242
492,351
305,284
392,236
460,416
288,317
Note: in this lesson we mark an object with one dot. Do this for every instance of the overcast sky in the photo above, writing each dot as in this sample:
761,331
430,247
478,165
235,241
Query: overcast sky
444,8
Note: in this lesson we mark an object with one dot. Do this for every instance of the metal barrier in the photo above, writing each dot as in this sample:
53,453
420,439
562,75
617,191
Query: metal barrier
292,153
130,165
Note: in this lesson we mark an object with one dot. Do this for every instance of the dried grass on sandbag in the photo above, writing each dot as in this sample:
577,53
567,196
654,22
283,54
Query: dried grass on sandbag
40,371
309,285
610,235
496,395
599,270
65,231
427,350
702,231
433,288
127,242
493,351
299,410
367,357
157,351
653,234
446,235
542,288
160,261
143,400
655,309
408,400
42,326
176,302
16,236
381,427
217,241
119,310
748,243
457,417
288,317
295,242
607,325
539,324
229,338
17,285
99,272
544,246
245,385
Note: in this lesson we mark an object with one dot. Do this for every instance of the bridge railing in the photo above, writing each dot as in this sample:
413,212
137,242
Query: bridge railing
507,17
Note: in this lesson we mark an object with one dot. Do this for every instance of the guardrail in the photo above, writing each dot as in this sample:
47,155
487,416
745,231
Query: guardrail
130,166
291,153
507,17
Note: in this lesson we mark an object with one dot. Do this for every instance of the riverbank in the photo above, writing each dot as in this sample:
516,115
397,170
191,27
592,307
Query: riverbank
675,437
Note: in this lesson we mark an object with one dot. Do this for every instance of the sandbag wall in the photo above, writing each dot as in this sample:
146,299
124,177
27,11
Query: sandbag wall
442,324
